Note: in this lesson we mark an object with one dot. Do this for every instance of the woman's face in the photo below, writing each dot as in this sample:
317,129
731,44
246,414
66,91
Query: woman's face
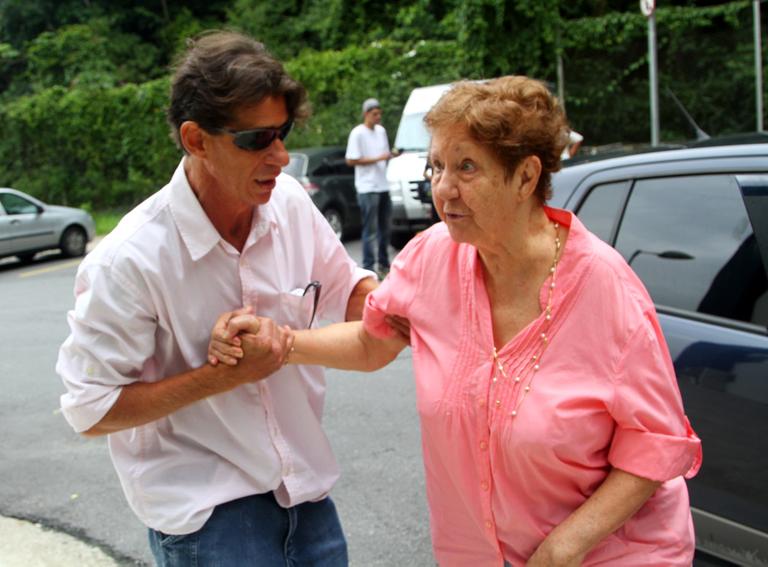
469,188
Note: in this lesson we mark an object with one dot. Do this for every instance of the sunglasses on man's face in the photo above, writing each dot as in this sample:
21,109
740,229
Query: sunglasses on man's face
257,138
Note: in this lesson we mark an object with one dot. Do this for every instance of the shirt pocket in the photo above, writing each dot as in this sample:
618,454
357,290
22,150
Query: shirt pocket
296,308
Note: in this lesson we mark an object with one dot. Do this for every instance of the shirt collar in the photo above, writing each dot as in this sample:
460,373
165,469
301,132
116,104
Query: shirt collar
196,229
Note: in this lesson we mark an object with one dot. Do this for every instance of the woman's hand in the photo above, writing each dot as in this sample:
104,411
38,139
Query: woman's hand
550,554
226,342
224,346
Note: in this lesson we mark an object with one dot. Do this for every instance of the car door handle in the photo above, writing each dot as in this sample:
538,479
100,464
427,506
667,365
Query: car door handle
15,221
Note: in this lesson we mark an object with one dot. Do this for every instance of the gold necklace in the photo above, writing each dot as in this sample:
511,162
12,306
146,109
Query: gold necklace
528,372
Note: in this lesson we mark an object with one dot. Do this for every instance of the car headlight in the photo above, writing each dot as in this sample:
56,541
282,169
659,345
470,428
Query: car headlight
395,192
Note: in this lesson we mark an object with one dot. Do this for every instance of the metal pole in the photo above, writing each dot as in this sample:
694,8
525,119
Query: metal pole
758,64
559,60
653,80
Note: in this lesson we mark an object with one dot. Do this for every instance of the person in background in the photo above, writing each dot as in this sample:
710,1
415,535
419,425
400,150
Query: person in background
574,143
227,466
368,151
553,430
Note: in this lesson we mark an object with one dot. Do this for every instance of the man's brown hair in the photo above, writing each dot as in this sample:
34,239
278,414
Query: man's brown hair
222,72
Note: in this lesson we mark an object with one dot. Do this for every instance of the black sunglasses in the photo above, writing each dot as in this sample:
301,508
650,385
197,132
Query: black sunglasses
257,138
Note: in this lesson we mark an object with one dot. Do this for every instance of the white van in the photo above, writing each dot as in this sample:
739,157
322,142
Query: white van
405,172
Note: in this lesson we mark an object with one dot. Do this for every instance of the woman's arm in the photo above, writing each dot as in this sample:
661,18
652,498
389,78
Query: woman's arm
616,500
347,346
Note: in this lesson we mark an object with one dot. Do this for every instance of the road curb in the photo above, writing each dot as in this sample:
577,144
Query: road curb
29,544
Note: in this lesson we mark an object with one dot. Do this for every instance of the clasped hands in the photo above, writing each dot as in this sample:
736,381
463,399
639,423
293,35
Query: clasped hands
258,342
240,338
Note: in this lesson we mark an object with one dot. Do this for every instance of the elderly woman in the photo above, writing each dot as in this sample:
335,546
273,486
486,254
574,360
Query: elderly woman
553,429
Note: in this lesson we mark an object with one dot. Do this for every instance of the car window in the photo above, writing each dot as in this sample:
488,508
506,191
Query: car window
15,205
334,166
690,241
334,163
600,211
296,166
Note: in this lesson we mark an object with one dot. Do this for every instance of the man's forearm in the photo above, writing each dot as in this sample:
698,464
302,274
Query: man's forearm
143,402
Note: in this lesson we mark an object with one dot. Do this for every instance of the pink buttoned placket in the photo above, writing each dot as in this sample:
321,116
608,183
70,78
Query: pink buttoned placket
526,372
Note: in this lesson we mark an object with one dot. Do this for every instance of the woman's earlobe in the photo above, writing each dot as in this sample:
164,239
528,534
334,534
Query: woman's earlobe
529,176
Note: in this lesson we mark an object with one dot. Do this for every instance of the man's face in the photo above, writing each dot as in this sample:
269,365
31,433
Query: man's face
243,176
373,116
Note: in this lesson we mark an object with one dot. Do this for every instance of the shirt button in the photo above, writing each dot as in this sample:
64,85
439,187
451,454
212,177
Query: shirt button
484,485
488,524
482,403
483,445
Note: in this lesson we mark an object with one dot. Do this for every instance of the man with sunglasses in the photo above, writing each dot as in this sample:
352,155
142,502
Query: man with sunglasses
226,465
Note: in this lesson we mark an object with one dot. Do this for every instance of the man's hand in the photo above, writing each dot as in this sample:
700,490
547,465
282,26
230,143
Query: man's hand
401,326
257,346
263,351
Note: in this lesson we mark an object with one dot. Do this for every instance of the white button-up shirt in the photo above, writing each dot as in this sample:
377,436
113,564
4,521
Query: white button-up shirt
146,300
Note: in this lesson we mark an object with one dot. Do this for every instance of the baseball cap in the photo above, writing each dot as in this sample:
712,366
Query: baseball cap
370,104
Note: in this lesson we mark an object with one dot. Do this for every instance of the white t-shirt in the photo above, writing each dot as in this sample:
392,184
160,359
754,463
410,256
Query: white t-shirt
366,143
146,300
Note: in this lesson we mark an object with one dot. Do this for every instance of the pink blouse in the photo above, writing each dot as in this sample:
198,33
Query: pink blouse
503,465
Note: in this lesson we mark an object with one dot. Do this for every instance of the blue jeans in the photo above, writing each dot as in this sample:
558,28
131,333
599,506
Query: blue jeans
376,210
256,531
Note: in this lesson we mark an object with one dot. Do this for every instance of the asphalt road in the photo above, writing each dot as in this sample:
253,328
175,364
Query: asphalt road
63,481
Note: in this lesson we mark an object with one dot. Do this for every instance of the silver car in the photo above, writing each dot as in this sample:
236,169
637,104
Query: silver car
29,226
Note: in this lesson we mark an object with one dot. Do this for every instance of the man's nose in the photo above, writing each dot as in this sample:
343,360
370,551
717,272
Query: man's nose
278,154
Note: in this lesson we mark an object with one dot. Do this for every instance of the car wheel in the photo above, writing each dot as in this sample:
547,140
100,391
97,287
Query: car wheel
336,220
73,242
27,257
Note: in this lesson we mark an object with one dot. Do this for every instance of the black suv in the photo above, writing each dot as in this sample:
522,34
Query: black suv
325,175
693,224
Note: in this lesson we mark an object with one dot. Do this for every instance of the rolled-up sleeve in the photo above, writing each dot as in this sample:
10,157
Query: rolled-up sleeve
111,338
653,438
396,293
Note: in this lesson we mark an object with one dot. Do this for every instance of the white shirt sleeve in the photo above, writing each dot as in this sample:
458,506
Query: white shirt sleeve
112,338
354,151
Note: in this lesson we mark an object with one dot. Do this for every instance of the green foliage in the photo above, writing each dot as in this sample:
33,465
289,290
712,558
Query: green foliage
74,53
498,37
107,147
107,220
339,81
83,84
704,58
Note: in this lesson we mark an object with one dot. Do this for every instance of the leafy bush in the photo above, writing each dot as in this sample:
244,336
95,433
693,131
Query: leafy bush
83,137
109,147
339,81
